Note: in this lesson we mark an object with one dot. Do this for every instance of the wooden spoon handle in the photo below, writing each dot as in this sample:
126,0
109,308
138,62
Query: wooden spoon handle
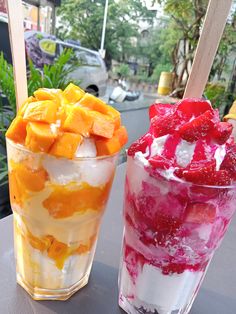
16,31
213,27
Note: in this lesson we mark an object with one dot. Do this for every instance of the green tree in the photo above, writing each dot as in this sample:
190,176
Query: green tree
184,26
183,32
83,19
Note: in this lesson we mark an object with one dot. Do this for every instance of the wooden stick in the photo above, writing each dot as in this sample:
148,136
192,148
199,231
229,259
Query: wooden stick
16,31
213,27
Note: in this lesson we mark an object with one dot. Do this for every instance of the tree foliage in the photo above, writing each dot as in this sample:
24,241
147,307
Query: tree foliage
185,24
83,19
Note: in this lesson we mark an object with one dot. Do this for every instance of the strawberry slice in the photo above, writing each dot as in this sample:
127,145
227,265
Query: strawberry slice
200,151
140,145
160,162
193,107
204,173
198,127
197,172
221,132
161,126
229,162
200,213
170,146
219,178
159,110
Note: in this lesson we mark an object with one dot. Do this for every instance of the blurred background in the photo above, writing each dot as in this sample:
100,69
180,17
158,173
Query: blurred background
130,53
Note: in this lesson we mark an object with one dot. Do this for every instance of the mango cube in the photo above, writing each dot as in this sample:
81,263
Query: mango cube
49,94
40,137
66,145
78,121
96,104
42,111
102,125
108,146
73,93
122,135
17,130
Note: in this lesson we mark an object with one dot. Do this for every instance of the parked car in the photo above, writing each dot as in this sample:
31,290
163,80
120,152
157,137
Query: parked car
44,48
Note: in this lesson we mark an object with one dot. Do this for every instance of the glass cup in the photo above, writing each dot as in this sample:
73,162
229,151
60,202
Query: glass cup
172,229
57,207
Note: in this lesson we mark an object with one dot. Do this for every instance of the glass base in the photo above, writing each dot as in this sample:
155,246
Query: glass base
132,309
55,294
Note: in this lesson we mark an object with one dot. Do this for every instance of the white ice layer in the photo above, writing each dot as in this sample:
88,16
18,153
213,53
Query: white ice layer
153,290
87,148
62,171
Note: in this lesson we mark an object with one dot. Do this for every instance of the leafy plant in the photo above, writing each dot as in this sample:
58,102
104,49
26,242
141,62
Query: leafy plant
3,169
219,98
160,68
123,70
52,76
7,82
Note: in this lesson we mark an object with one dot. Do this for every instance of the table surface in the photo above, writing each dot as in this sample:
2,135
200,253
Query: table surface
216,296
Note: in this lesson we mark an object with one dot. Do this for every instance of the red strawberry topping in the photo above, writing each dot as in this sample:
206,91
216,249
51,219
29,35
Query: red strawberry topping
140,145
165,125
160,162
229,162
159,110
221,132
197,172
197,128
193,107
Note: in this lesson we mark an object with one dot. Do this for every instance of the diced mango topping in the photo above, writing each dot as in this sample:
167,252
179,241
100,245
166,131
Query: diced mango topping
122,135
108,146
55,121
17,131
59,252
66,145
65,201
102,125
114,144
40,137
56,250
41,111
49,94
78,121
73,93
96,104
28,179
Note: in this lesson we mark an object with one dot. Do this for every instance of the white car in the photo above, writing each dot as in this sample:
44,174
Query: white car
92,71
92,74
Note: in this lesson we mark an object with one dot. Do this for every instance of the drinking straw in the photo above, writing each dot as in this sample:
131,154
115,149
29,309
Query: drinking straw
213,27
16,32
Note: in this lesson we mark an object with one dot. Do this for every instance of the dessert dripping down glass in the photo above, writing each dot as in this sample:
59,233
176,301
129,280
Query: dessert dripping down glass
172,230
180,196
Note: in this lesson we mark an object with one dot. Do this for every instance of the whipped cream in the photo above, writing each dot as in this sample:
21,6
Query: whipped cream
184,153
158,145
219,156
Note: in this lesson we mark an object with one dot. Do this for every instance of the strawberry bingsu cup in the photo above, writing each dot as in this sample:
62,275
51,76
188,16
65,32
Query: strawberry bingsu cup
180,195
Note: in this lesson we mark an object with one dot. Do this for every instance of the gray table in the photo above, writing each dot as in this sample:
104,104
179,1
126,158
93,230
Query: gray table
217,295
